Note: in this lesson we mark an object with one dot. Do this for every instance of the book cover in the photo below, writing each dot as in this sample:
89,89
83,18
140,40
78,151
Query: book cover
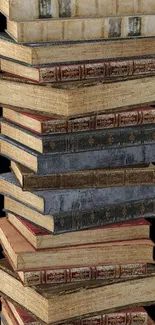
61,163
50,202
112,177
81,141
46,125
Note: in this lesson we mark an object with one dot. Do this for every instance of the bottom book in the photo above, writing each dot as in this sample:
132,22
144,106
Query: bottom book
133,316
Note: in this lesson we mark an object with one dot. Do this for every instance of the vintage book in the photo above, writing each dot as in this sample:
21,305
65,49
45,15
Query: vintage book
76,98
122,176
39,238
81,141
131,316
49,125
25,257
75,221
73,275
51,202
61,163
73,29
58,52
29,10
53,304
103,69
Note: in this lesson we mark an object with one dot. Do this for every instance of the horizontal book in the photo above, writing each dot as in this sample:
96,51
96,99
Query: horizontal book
70,301
78,98
124,176
104,69
28,10
61,163
49,125
81,141
40,238
73,29
47,53
51,202
74,98
132,315
24,256
80,220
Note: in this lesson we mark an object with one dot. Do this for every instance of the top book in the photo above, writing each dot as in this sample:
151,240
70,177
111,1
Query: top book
33,9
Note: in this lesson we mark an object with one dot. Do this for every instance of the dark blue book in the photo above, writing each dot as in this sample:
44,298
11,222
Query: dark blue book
61,163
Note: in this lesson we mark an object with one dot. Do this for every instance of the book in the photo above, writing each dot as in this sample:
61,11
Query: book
52,52
24,256
69,8
69,301
103,69
51,202
80,220
81,141
40,238
49,125
61,163
75,98
107,273
122,176
132,315
73,29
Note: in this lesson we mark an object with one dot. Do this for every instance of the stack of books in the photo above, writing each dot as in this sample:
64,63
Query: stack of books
77,91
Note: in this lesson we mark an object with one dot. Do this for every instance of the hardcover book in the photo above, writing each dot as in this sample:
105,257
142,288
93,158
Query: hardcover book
52,202
112,177
80,220
105,69
61,163
29,10
49,125
69,302
24,256
81,141
76,98
74,29
56,52
132,315
40,238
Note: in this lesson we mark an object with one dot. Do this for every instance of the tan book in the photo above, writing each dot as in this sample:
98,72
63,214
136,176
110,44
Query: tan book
55,30
57,303
75,98
34,9
24,256
54,52
40,238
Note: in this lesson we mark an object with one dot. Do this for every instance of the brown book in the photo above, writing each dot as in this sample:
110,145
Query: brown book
75,98
83,28
50,125
24,256
124,176
133,316
53,304
39,238
103,69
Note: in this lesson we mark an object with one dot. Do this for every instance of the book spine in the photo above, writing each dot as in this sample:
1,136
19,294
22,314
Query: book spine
99,140
105,70
78,220
91,179
99,122
106,272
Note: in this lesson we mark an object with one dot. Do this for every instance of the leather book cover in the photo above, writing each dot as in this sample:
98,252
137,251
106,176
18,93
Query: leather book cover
61,163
